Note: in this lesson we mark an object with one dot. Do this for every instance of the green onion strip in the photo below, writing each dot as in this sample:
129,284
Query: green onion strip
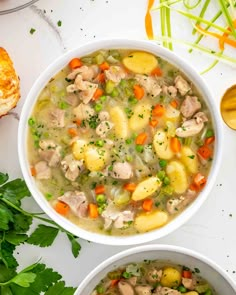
202,13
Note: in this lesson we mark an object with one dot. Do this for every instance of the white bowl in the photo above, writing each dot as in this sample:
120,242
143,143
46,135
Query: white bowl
210,271
23,130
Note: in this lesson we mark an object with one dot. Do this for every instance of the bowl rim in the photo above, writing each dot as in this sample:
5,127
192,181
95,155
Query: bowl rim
54,68
155,247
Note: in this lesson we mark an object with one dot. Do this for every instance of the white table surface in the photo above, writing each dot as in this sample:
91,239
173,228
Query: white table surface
212,230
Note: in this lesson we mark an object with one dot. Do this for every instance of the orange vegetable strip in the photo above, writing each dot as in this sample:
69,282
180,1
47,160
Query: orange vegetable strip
209,140
99,189
158,110
148,21
62,208
153,123
138,91
187,274
104,66
199,180
78,122
147,204
141,138
225,35
73,132
98,93
75,63
100,78
205,152
33,171
156,72
174,103
114,282
175,145
93,210
130,187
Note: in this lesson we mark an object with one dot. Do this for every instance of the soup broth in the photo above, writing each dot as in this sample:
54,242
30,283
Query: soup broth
120,142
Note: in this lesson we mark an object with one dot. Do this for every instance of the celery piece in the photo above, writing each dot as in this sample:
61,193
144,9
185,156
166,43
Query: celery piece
99,59
110,85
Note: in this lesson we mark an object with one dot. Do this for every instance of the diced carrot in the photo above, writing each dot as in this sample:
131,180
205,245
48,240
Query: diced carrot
156,72
75,63
73,132
138,91
205,152
187,274
158,110
104,66
114,282
147,204
199,180
99,189
98,93
141,138
78,122
93,210
209,140
193,187
62,208
100,78
130,187
174,103
153,123
33,171
175,145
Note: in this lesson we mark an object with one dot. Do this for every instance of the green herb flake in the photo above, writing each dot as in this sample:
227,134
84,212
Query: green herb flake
32,31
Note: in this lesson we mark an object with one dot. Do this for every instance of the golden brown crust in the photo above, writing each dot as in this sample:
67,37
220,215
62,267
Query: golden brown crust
9,84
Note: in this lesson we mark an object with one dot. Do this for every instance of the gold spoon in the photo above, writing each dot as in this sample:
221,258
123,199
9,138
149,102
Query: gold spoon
228,107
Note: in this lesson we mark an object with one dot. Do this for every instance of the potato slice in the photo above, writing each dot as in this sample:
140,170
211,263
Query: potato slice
140,117
178,177
191,293
171,277
95,159
140,62
172,114
78,149
146,188
149,221
120,121
189,159
161,143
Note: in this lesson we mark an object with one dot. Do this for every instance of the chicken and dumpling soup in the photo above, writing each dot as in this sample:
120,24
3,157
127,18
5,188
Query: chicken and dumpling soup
120,142
153,277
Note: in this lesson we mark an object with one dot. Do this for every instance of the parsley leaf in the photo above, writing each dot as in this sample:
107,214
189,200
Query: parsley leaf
60,289
43,236
5,217
3,178
6,255
14,238
75,246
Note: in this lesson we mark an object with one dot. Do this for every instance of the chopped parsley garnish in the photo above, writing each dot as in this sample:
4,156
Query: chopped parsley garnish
59,23
32,31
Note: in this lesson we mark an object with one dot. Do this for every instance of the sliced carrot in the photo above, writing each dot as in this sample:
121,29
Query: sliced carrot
78,122
73,132
205,152
93,210
174,103
114,282
98,93
175,145
141,138
138,91
153,123
62,208
157,72
158,110
193,187
199,180
225,35
99,189
147,204
33,171
130,187
148,20
209,140
75,63
187,274
104,66
100,78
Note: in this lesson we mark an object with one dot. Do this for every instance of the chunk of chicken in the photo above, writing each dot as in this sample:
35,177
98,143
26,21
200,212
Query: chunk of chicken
50,152
182,85
87,73
189,283
83,111
175,205
132,281
77,202
103,128
125,288
72,99
115,74
172,91
71,167
42,170
122,170
153,275
193,126
150,84
190,106
143,290
57,118
87,89
166,291
103,116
